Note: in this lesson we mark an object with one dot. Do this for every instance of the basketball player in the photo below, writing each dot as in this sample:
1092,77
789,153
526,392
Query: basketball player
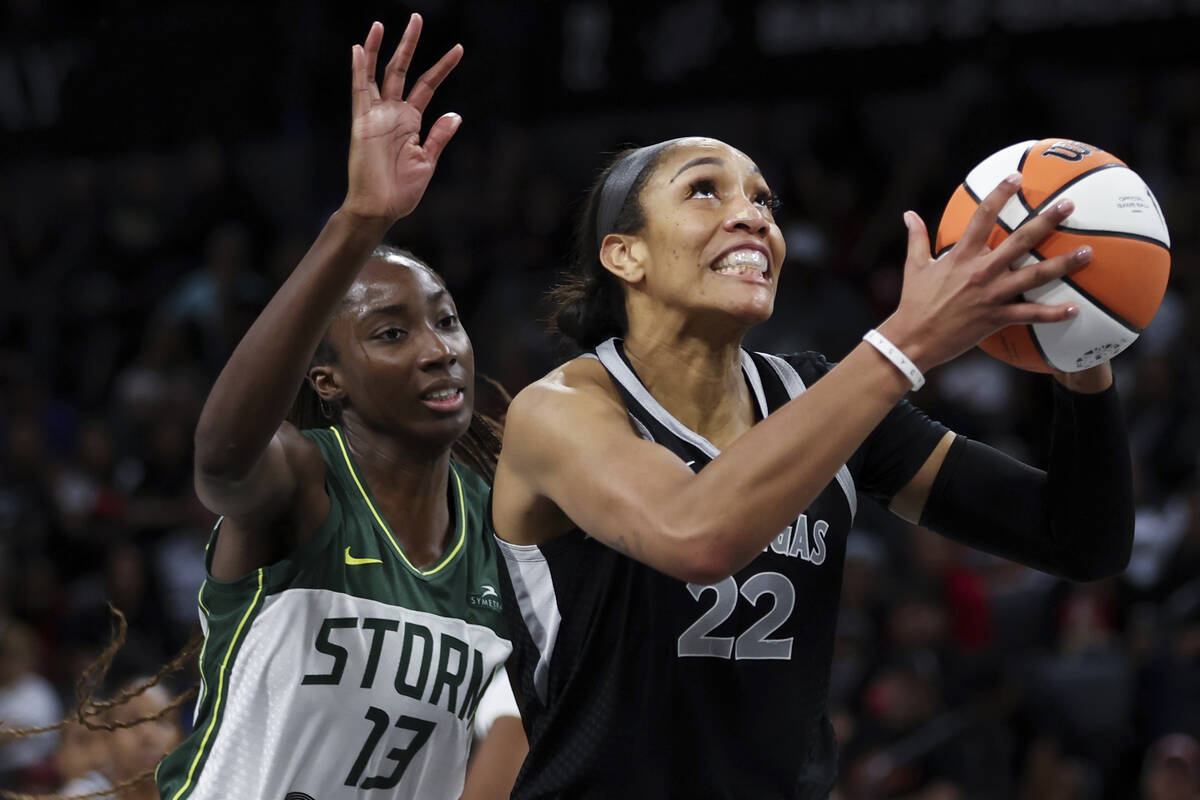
673,510
351,609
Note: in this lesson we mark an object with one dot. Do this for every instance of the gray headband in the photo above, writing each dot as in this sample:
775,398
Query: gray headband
618,184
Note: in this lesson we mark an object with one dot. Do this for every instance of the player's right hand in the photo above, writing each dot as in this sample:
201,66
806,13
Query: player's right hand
950,304
389,167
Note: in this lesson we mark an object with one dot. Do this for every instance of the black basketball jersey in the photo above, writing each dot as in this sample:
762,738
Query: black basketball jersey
636,685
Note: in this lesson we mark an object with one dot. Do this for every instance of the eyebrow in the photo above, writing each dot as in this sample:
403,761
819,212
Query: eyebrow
401,308
696,162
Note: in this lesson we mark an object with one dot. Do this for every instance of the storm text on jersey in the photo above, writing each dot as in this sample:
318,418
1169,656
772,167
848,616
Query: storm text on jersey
430,666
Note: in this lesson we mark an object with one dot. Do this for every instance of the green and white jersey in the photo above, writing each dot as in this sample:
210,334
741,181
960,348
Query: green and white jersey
343,671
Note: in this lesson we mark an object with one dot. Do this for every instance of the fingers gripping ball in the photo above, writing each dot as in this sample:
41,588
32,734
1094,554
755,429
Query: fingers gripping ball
1117,293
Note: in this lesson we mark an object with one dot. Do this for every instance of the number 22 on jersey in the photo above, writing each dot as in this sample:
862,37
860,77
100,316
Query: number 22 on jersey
755,643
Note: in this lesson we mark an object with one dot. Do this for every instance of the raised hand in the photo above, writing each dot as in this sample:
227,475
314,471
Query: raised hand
950,304
389,167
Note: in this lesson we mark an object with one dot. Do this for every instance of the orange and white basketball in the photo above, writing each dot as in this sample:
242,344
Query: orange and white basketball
1115,212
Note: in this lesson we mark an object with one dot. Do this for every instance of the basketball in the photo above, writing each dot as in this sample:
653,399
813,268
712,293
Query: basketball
1117,293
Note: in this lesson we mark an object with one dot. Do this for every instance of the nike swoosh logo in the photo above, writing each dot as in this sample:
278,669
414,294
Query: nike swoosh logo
354,562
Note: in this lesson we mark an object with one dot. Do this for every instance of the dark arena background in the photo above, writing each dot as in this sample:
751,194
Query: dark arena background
163,166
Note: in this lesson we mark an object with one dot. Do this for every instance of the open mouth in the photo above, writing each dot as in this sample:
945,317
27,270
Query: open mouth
747,263
444,399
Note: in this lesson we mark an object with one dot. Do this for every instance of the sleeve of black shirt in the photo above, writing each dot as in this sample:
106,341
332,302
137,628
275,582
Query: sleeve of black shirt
892,453
1075,519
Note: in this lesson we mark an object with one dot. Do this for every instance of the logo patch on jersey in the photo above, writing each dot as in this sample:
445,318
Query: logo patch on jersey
486,597
354,562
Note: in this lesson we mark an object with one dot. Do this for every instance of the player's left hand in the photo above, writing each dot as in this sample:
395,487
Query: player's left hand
389,167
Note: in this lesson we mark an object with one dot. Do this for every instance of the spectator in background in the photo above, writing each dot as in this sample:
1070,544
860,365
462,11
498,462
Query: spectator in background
221,298
1172,769
27,518
136,750
1081,696
81,759
27,700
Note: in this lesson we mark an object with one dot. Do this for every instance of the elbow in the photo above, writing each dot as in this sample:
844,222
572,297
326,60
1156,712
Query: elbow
704,556
211,463
214,465
218,456
703,572
1087,573
1109,566
1107,561
208,457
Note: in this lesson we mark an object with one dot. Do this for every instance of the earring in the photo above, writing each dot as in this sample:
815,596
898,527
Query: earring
326,411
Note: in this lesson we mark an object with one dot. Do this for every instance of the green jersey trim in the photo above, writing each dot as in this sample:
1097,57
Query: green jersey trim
461,505
212,723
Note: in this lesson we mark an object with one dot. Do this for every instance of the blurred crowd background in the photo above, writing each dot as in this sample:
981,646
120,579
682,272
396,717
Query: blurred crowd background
163,166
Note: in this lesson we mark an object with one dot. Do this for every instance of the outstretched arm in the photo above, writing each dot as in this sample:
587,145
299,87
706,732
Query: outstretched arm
244,468
569,450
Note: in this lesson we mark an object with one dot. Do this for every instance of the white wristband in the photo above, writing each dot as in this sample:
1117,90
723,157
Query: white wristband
893,354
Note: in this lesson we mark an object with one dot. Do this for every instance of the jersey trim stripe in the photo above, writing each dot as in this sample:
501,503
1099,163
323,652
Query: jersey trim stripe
795,387
616,366
756,384
200,601
212,723
534,589
610,357
204,623
462,514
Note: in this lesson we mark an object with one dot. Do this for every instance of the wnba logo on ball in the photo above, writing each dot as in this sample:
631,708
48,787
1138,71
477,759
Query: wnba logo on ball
1069,151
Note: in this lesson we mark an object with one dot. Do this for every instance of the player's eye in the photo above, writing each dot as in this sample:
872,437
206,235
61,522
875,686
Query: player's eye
768,200
703,188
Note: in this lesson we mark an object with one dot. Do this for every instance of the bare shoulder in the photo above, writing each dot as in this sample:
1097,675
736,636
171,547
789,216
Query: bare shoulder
580,380
576,391
549,424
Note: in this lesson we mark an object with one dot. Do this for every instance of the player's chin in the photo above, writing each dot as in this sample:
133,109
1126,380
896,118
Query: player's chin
442,429
753,309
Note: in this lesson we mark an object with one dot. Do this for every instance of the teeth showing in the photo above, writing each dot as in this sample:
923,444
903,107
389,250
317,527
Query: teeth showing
444,394
742,261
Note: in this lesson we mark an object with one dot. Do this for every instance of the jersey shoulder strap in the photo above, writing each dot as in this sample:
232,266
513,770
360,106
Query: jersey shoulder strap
793,384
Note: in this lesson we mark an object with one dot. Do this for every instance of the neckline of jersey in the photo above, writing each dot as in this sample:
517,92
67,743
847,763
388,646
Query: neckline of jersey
656,409
460,507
